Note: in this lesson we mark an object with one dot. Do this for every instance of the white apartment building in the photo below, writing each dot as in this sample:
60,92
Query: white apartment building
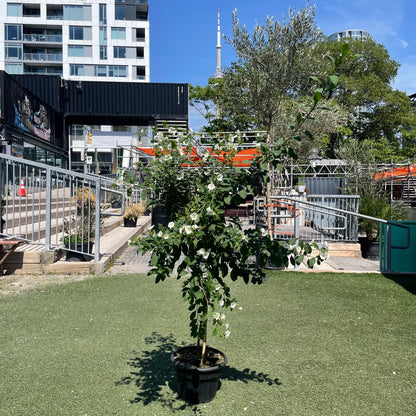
86,40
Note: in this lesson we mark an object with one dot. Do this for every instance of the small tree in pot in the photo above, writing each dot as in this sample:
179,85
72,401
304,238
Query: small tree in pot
206,248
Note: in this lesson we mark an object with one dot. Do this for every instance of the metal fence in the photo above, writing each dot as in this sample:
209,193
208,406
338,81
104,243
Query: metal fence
321,218
54,207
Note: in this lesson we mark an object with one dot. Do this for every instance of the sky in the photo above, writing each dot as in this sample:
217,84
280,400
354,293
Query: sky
183,34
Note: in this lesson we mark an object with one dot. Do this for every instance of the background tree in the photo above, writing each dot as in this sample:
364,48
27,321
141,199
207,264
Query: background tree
377,112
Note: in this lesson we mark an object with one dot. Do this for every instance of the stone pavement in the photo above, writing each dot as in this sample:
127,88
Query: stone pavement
130,262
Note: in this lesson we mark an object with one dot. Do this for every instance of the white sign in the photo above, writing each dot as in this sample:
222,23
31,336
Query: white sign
88,160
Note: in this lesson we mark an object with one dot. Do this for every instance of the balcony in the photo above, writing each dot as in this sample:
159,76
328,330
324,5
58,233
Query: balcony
43,57
36,38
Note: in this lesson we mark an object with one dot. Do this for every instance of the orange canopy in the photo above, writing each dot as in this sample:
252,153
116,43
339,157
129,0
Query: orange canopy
396,173
241,159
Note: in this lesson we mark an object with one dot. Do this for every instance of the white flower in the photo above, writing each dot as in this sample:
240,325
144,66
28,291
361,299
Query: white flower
222,317
160,234
218,287
181,230
222,302
188,229
210,211
201,252
171,225
216,316
194,216
227,333
240,308
233,305
219,177
243,236
211,187
227,325
264,232
323,256
195,227
205,275
166,236
179,178
206,255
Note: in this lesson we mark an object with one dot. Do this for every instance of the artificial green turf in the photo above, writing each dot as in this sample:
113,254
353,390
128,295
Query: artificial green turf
304,344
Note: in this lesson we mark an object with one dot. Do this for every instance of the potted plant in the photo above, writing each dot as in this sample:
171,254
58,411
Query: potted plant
376,207
207,249
164,185
115,200
80,228
132,212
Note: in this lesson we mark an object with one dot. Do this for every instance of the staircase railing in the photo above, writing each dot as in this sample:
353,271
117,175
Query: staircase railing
54,207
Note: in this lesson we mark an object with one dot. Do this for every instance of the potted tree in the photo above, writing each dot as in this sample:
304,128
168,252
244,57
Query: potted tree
80,228
207,249
132,212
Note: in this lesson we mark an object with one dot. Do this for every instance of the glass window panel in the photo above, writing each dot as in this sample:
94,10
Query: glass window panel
119,52
103,14
13,32
103,52
14,9
100,70
76,69
103,35
118,33
73,12
120,12
75,50
76,32
14,51
14,68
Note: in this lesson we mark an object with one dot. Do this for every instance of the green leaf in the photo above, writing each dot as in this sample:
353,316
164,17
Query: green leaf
334,79
155,258
227,200
199,295
311,262
243,194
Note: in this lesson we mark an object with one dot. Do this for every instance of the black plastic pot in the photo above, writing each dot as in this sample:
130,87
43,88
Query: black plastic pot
85,247
159,216
130,222
369,249
197,385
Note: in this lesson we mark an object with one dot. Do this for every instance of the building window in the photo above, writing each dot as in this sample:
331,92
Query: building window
117,71
141,72
103,52
73,12
75,69
75,50
103,14
80,33
100,70
120,12
14,9
140,53
119,52
103,35
14,68
76,32
14,52
13,32
118,33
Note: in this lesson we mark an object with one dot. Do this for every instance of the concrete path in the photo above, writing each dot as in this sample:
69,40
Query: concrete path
131,262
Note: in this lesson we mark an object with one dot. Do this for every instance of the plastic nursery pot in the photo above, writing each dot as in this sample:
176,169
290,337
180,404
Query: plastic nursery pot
129,222
197,385
85,247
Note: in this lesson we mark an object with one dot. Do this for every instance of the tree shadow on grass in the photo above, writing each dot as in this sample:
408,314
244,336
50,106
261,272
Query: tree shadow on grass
153,374
407,281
